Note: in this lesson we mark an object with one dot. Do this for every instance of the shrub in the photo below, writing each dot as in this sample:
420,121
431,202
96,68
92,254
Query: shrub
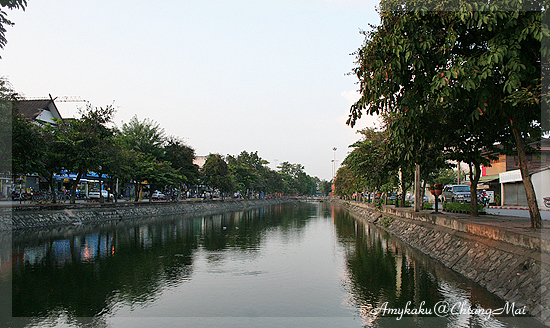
461,207
386,221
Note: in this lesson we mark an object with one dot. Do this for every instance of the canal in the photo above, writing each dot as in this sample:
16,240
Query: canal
285,265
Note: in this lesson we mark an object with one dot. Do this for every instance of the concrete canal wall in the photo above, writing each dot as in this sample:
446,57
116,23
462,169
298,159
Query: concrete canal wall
513,266
38,216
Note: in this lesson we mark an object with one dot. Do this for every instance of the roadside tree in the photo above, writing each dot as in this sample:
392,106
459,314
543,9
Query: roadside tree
216,174
460,66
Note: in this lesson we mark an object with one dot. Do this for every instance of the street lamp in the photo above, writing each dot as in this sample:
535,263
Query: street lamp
334,164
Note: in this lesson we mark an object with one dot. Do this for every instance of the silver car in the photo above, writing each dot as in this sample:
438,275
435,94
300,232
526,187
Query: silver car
456,194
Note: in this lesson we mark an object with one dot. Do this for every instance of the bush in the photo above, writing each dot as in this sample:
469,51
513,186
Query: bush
461,207
386,221
427,206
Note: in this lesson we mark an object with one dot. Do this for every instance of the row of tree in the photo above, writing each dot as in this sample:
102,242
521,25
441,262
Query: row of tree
138,152
249,174
453,81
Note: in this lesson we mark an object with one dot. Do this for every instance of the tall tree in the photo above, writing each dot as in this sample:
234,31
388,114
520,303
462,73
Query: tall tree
7,97
145,136
85,141
216,174
459,65
181,158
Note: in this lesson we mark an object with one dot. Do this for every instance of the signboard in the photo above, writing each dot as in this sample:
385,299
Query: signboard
510,176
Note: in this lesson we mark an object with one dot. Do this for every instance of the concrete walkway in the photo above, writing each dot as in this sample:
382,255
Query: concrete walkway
508,229
518,224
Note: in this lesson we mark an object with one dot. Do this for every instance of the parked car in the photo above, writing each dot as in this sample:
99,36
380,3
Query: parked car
158,195
456,194
94,194
412,199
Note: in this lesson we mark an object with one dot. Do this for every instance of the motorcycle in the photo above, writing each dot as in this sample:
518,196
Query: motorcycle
547,201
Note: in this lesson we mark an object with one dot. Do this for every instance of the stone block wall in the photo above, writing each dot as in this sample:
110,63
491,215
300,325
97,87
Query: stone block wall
29,217
516,272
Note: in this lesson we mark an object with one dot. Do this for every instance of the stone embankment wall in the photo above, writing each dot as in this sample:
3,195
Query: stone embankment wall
29,217
512,266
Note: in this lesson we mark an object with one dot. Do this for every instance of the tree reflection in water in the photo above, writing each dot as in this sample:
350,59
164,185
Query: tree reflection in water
84,275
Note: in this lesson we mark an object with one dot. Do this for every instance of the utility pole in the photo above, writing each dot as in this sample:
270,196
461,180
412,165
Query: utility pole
418,201
334,164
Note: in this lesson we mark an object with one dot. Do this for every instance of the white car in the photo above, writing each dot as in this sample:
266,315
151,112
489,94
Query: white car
94,194
158,195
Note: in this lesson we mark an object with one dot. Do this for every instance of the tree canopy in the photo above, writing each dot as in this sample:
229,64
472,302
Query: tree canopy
459,71
4,21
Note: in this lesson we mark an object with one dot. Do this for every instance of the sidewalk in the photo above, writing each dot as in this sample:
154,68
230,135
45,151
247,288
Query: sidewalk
512,207
513,230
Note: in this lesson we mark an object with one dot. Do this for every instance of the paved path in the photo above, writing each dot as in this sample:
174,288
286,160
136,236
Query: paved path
516,220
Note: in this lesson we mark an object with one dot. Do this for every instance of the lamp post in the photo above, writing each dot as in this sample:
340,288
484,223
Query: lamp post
334,163
436,190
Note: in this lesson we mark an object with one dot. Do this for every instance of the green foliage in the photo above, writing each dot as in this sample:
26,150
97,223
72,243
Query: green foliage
139,153
462,80
386,221
181,156
144,136
443,176
325,187
460,207
216,174
7,97
4,21
296,181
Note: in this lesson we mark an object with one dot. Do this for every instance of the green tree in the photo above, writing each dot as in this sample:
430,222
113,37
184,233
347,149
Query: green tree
27,147
249,172
85,141
370,163
146,136
181,157
460,66
325,187
143,142
295,180
51,151
216,174
4,21
7,97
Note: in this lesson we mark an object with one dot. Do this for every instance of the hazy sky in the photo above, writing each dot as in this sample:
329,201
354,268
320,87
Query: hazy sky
227,76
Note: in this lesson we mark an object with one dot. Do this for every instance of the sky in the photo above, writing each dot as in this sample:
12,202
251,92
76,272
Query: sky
225,76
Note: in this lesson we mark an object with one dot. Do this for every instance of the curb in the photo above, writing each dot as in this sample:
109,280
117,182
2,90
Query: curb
515,208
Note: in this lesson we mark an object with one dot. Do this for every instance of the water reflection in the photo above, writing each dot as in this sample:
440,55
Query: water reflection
282,261
384,275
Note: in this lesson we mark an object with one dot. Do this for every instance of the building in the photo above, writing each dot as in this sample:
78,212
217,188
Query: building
503,176
199,161
38,110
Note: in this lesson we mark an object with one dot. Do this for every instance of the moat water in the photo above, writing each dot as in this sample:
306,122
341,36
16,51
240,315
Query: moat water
286,265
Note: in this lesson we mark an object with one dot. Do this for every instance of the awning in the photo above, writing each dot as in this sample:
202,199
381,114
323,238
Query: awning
489,178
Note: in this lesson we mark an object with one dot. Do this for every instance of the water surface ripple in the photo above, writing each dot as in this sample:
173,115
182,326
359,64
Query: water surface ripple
286,265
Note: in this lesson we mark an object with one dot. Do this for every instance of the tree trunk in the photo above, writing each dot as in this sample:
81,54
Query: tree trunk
51,183
101,198
536,221
475,174
136,192
73,187
423,192
418,203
